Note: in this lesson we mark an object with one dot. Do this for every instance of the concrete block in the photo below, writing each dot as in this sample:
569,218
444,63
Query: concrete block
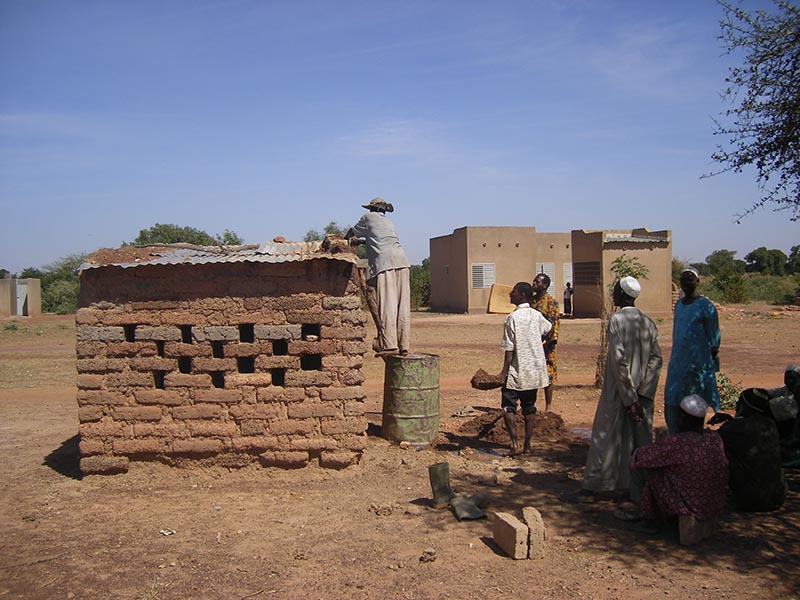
536,532
511,535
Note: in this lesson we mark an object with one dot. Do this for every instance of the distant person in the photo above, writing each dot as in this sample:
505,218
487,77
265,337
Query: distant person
568,291
546,304
695,345
388,271
686,472
752,446
624,417
524,367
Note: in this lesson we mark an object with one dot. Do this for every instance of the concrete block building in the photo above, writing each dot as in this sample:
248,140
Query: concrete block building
20,297
224,356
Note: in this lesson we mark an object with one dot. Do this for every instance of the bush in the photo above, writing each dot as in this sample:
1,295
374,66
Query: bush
728,391
60,296
420,276
731,287
772,289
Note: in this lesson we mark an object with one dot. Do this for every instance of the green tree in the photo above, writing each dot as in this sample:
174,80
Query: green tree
331,228
59,281
723,261
629,266
793,262
701,267
768,262
162,233
677,267
732,286
420,276
5,273
762,126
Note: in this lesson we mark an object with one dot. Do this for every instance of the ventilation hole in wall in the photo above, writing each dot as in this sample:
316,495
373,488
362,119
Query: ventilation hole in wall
246,364
247,333
185,364
160,347
311,362
218,379
217,350
309,332
158,379
279,377
130,332
186,333
280,347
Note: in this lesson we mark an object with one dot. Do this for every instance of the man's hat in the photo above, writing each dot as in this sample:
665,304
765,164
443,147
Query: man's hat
379,204
755,398
631,286
694,405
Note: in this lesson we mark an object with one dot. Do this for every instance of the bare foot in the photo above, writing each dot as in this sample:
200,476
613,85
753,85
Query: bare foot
526,449
515,449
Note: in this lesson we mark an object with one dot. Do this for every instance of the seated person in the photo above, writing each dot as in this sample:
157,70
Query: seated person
686,472
753,449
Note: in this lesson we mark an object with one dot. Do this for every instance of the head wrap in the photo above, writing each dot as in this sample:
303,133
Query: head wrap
783,408
630,286
756,399
791,377
695,406
691,270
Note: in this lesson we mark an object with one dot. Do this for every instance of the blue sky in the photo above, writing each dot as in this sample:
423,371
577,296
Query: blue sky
272,118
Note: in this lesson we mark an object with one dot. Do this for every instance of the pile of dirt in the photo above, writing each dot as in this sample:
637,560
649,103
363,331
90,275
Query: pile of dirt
126,254
483,381
489,427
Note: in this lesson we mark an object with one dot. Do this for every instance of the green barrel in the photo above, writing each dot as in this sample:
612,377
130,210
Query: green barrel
411,399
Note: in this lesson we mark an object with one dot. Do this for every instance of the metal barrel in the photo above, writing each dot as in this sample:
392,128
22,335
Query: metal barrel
411,399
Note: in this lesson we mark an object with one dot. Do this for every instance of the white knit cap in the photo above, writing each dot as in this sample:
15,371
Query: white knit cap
630,286
694,405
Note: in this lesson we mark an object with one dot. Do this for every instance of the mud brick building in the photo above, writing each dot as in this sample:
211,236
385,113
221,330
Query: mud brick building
225,356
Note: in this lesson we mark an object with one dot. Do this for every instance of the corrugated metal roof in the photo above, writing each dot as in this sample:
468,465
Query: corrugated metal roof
268,252
631,238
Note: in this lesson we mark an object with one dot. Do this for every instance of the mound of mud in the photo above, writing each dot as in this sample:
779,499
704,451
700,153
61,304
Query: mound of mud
483,381
489,427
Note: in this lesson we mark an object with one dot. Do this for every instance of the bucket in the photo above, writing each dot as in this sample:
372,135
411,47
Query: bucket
411,399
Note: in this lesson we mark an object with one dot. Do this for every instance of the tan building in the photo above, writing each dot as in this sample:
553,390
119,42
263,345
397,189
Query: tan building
466,263
20,297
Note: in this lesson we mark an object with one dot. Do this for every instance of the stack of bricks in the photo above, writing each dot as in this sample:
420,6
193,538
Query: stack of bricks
226,364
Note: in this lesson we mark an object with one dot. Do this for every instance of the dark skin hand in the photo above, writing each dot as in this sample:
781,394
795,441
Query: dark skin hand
636,412
719,417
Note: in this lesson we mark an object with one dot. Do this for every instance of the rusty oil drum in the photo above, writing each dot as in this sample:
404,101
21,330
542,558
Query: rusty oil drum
411,399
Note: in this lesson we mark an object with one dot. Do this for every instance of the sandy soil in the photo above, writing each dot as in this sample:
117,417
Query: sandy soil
360,533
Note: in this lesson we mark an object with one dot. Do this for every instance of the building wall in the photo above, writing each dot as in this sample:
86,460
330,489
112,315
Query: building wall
32,302
225,364
449,272
554,249
8,297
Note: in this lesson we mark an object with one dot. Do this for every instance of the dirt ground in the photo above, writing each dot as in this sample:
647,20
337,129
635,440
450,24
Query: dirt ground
360,533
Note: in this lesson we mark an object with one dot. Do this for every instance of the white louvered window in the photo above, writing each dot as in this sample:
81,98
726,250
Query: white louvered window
482,275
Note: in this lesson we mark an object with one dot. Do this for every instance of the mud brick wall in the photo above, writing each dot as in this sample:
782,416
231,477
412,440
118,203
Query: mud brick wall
225,364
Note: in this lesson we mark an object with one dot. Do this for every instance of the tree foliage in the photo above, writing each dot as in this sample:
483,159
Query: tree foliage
768,262
724,261
420,280
762,126
331,228
628,266
793,262
59,281
162,233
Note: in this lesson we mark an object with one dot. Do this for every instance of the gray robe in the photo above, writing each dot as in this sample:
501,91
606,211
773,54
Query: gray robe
633,365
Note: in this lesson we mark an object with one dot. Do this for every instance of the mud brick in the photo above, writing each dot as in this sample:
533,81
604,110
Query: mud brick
212,429
91,446
199,380
256,443
234,349
313,443
342,361
142,446
511,535
354,409
349,425
105,429
310,317
353,348
284,460
341,302
153,363
277,332
219,396
250,395
307,378
198,446
278,394
354,317
221,333
87,414
264,363
198,411
343,393
88,316
351,377
338,459
100,334
257,411
137,413
253,427
293,426
89,382
205,364
536,532
238,380
165,430
180,318
343,333
101,397
297,301
100,365
157,305
104,465
306,410
91,349
132,379
349,441
160,334
163,397
177,349
123,317
126,349
321,347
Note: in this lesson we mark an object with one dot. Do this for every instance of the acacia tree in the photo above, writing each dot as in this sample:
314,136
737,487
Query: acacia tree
762,127
163,233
